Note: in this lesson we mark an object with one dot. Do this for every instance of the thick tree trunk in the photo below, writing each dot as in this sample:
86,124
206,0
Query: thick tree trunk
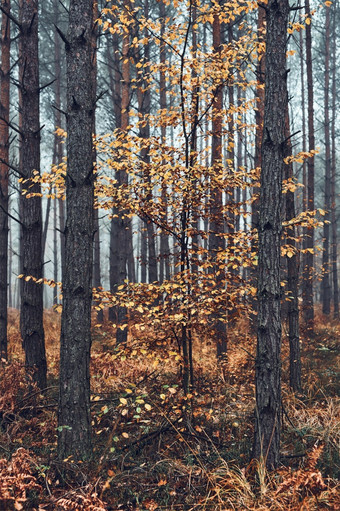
308,260
4,157
326,285
31,313
74,420
268,363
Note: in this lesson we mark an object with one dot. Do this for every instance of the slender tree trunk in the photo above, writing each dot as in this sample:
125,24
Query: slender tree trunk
268,363
334,174
326,284
164,265
96,241
293,266
74,419
259,114
31,313
4,157
216,241
144,107
308,262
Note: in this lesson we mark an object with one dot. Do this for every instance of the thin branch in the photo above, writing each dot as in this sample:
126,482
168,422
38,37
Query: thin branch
12,217
11,17
13,168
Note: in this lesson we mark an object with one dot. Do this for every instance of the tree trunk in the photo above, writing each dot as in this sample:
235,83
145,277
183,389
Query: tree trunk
268,364
308,260
293,265
259,113
4,157
74,420
164,263
96,241
333,177
326,285
216,241
31,314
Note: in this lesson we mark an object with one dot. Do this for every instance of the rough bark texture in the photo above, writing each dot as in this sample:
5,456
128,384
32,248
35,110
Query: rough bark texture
4,155
308,263
74,420
31,313
268,365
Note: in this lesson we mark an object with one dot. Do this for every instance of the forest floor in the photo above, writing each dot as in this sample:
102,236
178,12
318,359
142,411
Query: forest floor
156,449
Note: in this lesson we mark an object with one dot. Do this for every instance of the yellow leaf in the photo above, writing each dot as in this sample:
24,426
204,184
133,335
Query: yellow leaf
147,407
125,435
123,401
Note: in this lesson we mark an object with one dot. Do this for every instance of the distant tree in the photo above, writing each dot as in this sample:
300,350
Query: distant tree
4,158
326,283
268,363
216,240
308,260
31,312
74,418
334,171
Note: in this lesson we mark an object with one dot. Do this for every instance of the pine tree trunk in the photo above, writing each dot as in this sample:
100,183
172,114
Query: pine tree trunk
259,113
216,241
74,420
326,285
308,260
334,176
31,313
293,266
268,363
4,157
164,264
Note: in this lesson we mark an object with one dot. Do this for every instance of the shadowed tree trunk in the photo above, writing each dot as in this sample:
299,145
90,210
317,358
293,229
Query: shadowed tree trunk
74,419
31,313
334,175
216,240
268,363
4,157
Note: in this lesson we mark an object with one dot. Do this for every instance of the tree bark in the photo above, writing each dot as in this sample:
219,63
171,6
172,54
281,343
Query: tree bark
4,155
74,419
268,364
216,241
31,313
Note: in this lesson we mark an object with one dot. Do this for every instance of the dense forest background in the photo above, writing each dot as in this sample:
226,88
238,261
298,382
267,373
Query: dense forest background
169,211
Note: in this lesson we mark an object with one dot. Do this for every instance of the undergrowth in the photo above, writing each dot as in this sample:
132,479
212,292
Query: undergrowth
155,448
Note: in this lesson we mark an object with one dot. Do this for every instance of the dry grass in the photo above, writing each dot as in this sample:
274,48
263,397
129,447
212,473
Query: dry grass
156,449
